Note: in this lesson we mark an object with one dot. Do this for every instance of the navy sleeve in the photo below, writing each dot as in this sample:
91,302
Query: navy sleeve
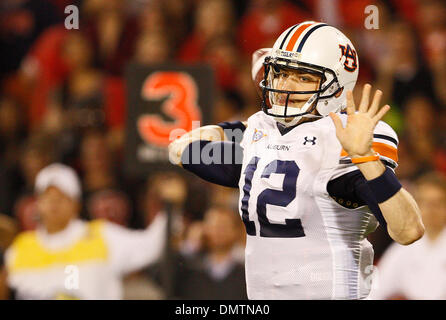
232,125
219,162
351,190
233,130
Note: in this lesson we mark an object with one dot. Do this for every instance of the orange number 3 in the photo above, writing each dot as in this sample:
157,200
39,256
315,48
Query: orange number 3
181,105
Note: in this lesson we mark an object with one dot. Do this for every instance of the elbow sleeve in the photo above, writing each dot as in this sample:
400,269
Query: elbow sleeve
353,186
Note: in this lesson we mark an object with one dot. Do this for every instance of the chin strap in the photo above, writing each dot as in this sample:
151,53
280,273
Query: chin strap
277,109
295,119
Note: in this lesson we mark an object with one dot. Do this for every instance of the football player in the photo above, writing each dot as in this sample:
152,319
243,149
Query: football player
315,174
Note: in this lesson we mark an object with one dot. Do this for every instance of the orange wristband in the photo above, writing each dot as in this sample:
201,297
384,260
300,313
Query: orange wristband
365,159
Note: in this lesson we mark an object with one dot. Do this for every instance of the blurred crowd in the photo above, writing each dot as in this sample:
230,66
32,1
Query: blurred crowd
63,99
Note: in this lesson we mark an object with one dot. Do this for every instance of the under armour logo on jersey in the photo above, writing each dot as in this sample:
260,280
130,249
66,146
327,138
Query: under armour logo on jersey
313,141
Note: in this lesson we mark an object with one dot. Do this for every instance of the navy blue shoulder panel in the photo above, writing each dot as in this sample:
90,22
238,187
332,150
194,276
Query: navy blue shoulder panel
233,130
219,162
232,125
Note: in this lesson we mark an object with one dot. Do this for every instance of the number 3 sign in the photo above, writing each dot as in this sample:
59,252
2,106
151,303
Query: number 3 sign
162,100
181,105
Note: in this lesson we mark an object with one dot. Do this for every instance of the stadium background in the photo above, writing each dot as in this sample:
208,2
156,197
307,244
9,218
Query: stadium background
64,98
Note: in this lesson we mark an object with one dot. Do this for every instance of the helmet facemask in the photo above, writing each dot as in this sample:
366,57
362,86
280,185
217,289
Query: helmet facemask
276,101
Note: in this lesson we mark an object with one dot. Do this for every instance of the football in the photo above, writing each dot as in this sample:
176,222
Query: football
258,70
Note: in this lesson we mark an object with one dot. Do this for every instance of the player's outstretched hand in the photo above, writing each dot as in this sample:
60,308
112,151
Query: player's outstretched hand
356,138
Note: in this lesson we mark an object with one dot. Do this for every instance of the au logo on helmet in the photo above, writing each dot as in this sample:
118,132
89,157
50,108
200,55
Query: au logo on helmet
350,58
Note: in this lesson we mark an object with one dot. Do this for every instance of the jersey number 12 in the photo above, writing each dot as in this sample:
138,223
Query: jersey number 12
292,227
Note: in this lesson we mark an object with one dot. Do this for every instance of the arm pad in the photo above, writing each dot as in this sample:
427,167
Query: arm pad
353,186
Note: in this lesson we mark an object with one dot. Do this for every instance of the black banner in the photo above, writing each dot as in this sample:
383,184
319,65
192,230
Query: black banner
221,310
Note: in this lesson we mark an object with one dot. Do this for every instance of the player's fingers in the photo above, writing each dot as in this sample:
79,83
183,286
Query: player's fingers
381,113
350,103
364,104
337,122
375,103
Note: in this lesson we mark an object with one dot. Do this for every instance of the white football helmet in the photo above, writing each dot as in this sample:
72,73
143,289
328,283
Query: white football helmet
317,48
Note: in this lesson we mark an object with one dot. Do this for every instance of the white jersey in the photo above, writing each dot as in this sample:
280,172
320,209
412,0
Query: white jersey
301,243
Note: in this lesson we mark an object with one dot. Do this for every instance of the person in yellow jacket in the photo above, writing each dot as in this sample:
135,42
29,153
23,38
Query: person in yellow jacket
67,258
